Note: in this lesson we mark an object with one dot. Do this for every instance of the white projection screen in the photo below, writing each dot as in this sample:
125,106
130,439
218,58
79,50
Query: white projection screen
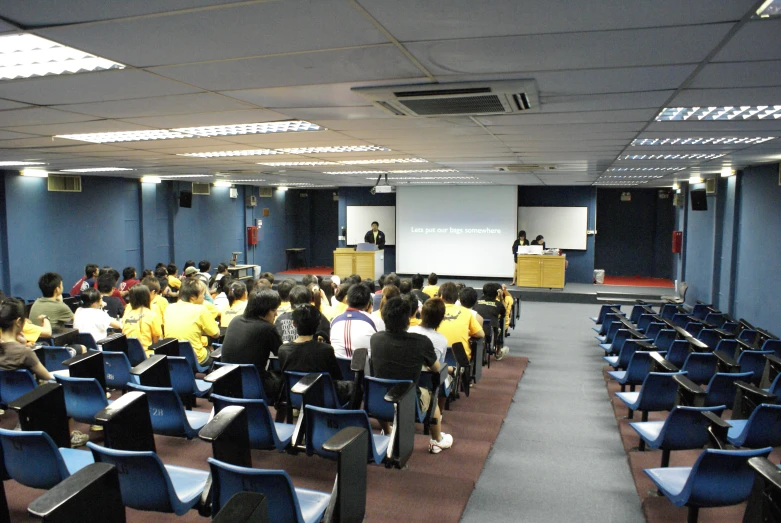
456,231
360,218
562,227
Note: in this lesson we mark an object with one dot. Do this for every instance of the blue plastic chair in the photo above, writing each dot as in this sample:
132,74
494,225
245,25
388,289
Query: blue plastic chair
330,398
701,310
187,352
719,478
637,311
754,361
84,397
32,458
602,330
251,383
147,484
728,347
680,319
117,368
693,328
15,383
685,428
627,350
709,337
183,381
721,388
604,310
637,369
678,352
748,335
645,321
716,318
264,432
54,356
374,391
773,345
135,351
668,311
659,392
614,347
286,504
322,424
664,338
701,366
611,333
86,339
653,329
761,429
344,366
168,415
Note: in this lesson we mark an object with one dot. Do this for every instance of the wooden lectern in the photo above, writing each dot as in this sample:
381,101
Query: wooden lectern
368,264
534,270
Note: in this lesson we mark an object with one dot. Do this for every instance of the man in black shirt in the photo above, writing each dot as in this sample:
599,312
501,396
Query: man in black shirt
306,354
491,307
399,355
417,288
252,337
300,295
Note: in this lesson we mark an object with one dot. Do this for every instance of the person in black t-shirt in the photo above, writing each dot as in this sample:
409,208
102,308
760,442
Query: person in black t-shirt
491,306
252,337
417,288
399,355
306,354
300,295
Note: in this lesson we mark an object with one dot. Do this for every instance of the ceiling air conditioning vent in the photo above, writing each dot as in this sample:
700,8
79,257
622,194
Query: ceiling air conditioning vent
63,183
524,168
201,188
457,99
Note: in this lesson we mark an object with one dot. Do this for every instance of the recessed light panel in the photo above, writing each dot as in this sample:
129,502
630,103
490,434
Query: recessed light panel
296,164
743,112
699,156
19,164
175,176
26,55
625,169
245,181
288,126
621,183
95,170
399,171
125,136
428,178
721,140
334,149
383,161
223,154
631,176
768,9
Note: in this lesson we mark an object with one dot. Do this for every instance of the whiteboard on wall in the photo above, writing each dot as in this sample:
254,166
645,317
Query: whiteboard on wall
360,218
562,227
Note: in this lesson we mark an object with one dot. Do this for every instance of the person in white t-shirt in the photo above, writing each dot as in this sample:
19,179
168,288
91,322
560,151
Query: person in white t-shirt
91,318
353,328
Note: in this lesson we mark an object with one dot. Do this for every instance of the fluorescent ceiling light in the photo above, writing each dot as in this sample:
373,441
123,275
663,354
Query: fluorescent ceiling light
96,170
20,164
333,149
383,160
632,176
676,186
722,140
620,183
26,55
697,156
282,188
289,126
173,176
125,136
222,183
727,172
35,173
150,179
768,9
743,112
296,164
695,179
624,169
428,178
254,180
399,171
223,154
449,183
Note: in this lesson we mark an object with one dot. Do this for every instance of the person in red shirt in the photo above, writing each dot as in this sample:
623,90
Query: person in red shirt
128,280
90,279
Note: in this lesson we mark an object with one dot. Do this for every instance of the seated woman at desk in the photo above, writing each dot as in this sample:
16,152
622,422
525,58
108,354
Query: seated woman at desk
539,240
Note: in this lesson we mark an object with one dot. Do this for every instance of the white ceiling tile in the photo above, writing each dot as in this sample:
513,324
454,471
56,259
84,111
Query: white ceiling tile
8,135
158,106
8,104
639,47
38,115
721,126
246,29
587,117
315,114
203,119
90,87
92,126
604,102
757,40
723,97
745,74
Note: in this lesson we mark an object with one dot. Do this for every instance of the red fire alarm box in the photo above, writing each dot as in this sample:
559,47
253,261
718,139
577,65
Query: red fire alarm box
677,241
252,235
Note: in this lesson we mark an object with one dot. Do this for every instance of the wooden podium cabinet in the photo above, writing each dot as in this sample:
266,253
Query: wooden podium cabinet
534,270
368,264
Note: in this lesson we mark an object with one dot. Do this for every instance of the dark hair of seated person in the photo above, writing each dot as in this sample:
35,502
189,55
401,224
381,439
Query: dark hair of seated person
381,280
433,278
432,313
204,265
128,273
284,288
412,301
342,291
260,302
268,276
405,286
90,297
467,297
48,283
307,279
139,296
306,318
449,292
11,310
300,295
106,283
191,288
151,283
89,270
369,283
356,278
395,314
358,297
236,291
392,279
171,269
490,290
417,281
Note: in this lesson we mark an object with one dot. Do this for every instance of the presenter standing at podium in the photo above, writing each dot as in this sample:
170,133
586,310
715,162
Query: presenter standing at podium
521,241
375,236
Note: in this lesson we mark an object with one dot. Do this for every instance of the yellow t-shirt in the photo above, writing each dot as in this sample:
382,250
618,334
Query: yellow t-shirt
190,321
31,331
459,324
143,324
159,304
431,290
414,322
237,309
338,309
508,305
174,282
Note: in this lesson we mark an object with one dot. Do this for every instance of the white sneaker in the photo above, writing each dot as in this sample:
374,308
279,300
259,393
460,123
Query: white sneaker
96,428
501,353
435,447
78,439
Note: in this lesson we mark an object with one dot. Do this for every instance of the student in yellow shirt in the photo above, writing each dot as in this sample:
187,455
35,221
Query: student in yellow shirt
432,288
173,282
459,324
237,299
188,319
159,303
508,305
33,332
140,321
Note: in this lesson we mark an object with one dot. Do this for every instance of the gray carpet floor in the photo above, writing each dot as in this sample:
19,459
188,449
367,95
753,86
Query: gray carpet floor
558,456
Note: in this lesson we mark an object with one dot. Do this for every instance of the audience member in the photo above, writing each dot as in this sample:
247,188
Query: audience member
400,355
491,307
432,289
268,276
222,270
90,318
187,265
431,316
188,319
158,303
459,324
237,299
340,299
88,280
417,288
354,327
306,354
284,288
128,280
221,298
388,292
173,282
113,306
140,320
204,266
467,298
50,306
252,337
356,278
392,279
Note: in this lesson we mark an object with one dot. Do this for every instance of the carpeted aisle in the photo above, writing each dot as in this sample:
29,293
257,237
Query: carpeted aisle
447,479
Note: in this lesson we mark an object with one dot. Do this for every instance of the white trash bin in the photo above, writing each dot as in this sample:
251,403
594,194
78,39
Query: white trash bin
599,276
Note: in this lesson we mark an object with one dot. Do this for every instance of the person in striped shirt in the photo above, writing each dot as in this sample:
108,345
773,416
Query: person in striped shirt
352,329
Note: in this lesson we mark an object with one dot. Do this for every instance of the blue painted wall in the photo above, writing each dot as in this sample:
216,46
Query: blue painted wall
700,249
278,231
4,277
758,264
362,196
580,267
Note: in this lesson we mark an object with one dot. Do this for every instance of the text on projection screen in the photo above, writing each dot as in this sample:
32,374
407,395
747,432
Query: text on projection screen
456,231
